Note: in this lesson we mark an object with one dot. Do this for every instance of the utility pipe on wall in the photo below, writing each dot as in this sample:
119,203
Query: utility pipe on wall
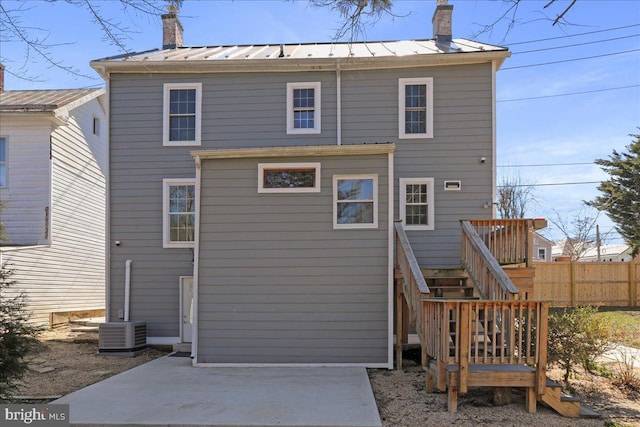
338,105
127,288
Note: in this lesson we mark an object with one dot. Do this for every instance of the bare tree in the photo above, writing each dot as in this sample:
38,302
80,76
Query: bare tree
510,15
356,14
515,195
579,231
37,46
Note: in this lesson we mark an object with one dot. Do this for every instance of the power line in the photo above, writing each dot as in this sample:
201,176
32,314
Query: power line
551,184
575,44
571,60
574,35
568,94
545,164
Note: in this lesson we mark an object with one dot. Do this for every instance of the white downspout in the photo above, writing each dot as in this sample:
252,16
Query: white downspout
338,105
127,288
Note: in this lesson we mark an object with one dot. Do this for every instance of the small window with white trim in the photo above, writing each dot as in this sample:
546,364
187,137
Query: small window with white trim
288,177
182,113
542,254
416,203
415,103
179,210
355,201
303,107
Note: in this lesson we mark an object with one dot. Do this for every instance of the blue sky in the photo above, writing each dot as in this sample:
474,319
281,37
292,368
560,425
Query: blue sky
568,130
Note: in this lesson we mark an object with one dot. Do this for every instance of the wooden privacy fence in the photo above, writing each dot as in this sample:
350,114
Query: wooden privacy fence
587,283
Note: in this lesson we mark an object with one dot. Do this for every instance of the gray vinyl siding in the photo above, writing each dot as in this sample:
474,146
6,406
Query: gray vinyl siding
276,282
26,197
69,273
462,103
249,110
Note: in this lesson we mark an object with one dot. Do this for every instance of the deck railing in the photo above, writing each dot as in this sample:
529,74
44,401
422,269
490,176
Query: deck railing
489,278
463,332
509,240
414,286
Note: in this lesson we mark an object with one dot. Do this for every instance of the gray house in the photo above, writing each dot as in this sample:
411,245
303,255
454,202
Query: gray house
253,189
53,168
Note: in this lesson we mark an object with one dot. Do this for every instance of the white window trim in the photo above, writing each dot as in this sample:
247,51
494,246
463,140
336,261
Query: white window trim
269,166
428,81
317,103
544,256
166,183
165,113
430,202
336,178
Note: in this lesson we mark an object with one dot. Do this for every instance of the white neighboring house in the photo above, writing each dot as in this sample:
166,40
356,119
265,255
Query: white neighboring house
53,168
608,253
542,248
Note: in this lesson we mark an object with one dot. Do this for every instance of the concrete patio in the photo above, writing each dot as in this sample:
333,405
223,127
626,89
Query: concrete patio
170,392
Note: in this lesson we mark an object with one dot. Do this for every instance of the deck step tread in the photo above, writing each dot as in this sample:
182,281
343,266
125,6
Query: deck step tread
586,412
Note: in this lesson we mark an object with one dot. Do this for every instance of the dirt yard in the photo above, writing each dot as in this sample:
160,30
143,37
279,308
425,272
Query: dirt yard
69,362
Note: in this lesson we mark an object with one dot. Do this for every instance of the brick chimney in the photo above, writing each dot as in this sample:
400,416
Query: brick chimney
442,21
171,28
1,78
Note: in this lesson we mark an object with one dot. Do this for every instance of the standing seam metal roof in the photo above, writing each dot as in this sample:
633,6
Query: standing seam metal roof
402,48
40,100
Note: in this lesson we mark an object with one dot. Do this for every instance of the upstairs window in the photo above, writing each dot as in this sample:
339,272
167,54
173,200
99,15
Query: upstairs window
179,206
3,162
416,203
415,115
182,113
355,201
303,108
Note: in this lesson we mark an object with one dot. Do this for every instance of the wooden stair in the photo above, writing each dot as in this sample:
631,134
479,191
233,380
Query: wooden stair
565,405
451,283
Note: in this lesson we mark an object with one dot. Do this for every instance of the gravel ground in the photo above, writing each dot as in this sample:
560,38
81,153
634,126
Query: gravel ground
69,362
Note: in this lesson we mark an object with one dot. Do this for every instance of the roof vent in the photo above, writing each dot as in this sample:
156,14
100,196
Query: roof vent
281,51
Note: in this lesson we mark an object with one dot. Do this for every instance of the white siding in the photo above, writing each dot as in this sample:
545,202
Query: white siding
69,274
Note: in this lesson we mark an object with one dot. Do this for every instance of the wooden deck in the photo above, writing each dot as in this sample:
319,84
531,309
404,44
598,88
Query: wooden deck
489,334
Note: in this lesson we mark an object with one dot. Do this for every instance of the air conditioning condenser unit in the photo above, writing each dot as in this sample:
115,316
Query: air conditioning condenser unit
122,338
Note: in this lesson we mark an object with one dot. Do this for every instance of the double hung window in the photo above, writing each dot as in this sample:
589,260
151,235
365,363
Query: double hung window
355,201
415,115
182,113
303,107
179,197
416,203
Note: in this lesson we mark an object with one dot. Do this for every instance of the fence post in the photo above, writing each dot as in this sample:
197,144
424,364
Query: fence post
633,284
573,283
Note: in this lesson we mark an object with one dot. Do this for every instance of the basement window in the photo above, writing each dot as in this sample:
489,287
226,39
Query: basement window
288,177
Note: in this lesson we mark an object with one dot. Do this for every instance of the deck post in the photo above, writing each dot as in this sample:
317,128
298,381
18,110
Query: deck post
463,343
399,322
541,348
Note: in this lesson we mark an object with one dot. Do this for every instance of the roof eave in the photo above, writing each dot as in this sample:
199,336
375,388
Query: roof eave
293,65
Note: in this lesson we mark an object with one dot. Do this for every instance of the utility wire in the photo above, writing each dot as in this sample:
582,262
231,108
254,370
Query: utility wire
573,35
569,94
545,164
574,45
571,60
551,184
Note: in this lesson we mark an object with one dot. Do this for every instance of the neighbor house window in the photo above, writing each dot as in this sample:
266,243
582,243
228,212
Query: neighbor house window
542,254
182,113
288,177
303,107
3,162
179,205
355,201
96,126
416,203
415,115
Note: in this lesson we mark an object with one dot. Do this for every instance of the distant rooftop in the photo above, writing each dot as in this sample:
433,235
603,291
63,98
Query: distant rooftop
41,100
